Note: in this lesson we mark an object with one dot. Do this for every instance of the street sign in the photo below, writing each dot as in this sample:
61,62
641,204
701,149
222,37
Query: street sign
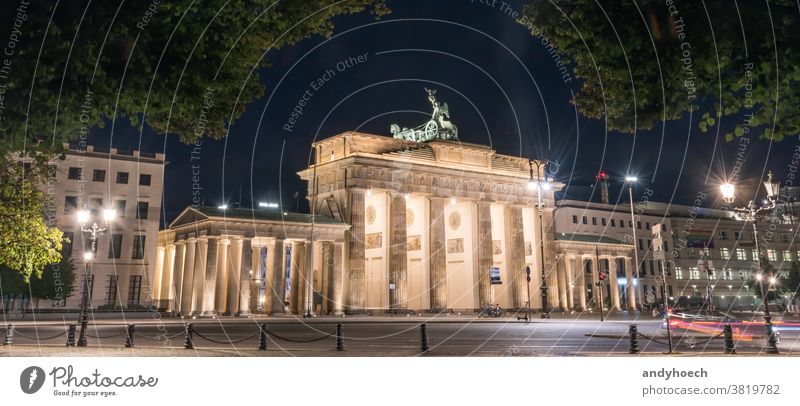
494,276
602,276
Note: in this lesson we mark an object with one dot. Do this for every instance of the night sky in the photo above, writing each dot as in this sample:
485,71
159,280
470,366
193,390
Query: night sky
503,90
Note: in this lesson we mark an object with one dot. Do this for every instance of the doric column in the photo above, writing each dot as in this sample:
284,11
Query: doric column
438,255
245,273
306,300
221,280
234,276
562,282
355,277
549,259
398,255
178,275
297,269
581,283
485,259
256,279
570,271
158,274
166,278
276,288
612,274
209,292
338,278
630,287
188,284
517,265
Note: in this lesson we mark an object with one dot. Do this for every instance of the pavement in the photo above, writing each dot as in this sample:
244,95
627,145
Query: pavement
448,335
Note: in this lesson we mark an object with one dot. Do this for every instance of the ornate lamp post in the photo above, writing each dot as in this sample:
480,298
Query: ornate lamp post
630,181
93,233
539,186
752,213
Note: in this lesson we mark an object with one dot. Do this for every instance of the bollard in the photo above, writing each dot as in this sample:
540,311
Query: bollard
262,336
729,347
423,342
633,332
339,339
71,336
189,332
9,335
129,338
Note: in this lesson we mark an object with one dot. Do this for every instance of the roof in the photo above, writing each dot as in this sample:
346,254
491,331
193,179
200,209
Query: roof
587,238
192,214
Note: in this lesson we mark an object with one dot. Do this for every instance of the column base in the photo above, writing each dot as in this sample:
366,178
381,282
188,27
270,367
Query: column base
209,313
355,311
243,313
440,310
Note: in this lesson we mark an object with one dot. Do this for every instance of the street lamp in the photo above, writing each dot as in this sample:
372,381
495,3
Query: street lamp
93,233
630,181
540,184
752,213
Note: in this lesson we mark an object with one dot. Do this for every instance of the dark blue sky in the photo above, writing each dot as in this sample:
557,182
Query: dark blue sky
503,90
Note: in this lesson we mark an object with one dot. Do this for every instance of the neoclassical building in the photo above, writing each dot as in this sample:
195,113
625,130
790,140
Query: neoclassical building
396,226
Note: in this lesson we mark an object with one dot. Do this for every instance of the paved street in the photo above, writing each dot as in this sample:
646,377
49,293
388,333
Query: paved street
381,336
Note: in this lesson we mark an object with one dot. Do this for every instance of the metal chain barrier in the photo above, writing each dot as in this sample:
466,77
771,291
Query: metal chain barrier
300,341
159,337
124,332
16,332
691,343
197,333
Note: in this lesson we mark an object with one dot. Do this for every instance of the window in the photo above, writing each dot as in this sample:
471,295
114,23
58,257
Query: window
115,246
575,219
649,244
70,203
772,255
119,206
652,267
74,173
594,221
670,290
584,220
723,235
694,273
666,245
141,210
111,290
647,225
134,289
784,237
613,223
144,179
122,177
639,225
663,227
630,224
96,204
66,246
641,244
678,272
603,220
98,175
736,235
622,224
724,253
669,269
741,254
692,253
787,255
755,254
138,247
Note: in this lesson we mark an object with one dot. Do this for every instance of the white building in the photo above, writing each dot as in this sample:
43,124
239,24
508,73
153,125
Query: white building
687,232
132,184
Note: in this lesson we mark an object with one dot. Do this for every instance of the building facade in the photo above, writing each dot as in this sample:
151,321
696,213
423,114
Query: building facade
95,179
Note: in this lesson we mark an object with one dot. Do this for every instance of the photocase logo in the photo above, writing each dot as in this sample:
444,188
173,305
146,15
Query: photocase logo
31,379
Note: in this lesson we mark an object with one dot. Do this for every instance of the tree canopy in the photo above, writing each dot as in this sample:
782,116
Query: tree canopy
649,61
183,67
